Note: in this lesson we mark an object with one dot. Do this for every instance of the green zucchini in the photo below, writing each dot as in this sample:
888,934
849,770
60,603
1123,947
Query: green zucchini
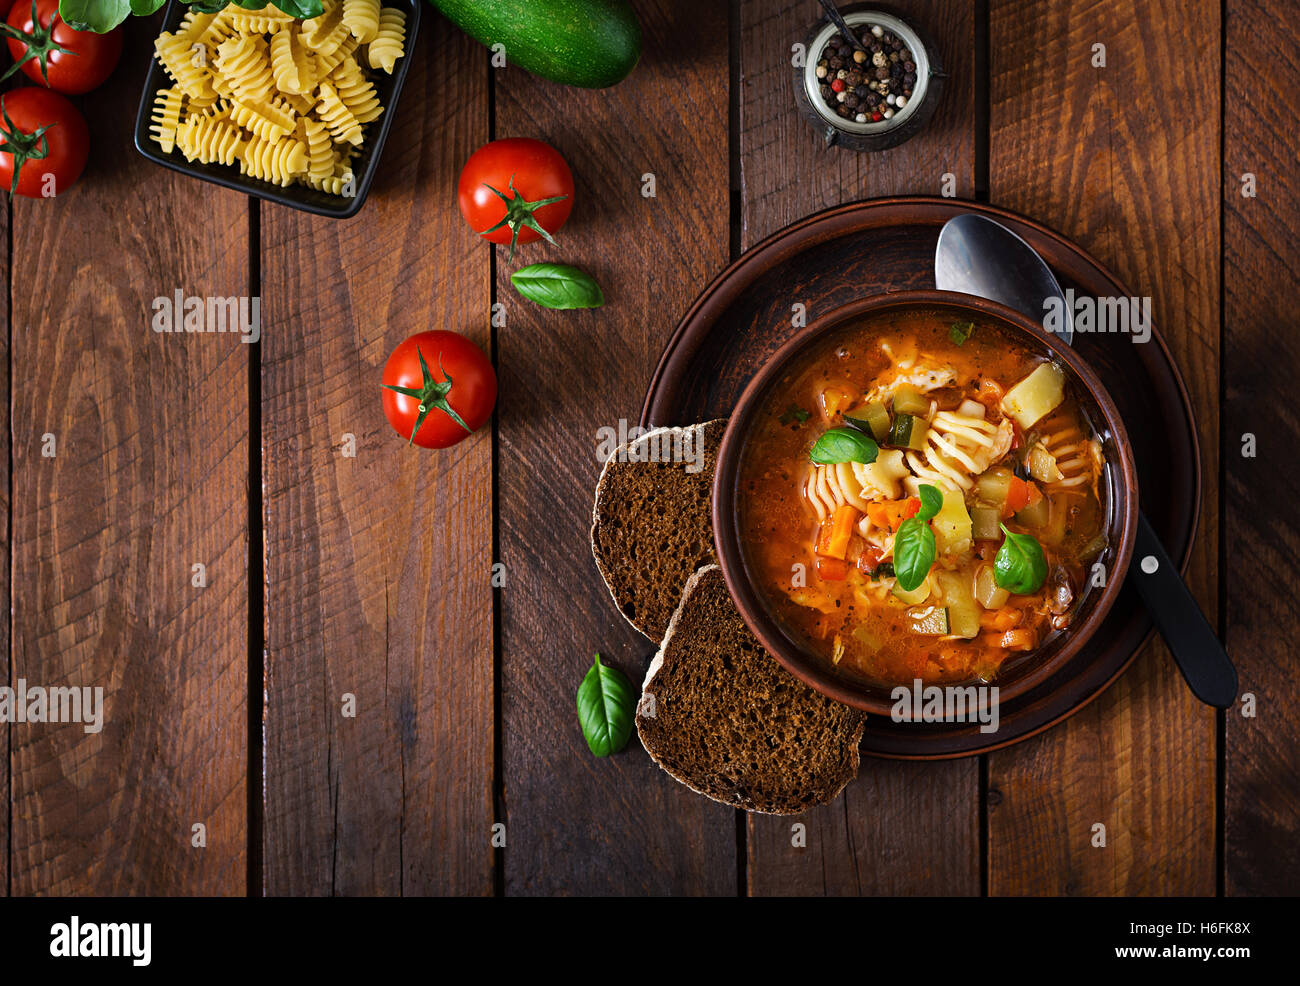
931,621
909,400
587,43
874,417
908,431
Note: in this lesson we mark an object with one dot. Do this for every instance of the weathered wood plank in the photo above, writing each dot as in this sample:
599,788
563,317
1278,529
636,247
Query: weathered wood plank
149,478
563,376
1125,159
378,566
1261,352
900,828
5,559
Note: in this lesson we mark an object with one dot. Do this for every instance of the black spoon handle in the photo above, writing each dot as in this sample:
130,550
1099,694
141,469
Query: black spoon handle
1201,658
837,19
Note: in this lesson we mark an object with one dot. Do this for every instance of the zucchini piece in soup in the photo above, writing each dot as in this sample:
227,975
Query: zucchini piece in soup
959,597
930,620
875,417
1036,514
994,486
985,523
909,400
908,431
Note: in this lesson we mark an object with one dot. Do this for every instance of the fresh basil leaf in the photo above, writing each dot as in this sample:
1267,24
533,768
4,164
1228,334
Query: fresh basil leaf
606,705
914,552
100,16
794,414
1020,565
959,332
931,502
143,8
558,286
301,9
208,6
843,445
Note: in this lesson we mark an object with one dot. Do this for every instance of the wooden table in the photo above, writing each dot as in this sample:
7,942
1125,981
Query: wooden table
371,575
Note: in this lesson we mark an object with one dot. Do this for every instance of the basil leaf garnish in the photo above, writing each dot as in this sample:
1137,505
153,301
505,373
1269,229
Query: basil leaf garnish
843,445
301,9
606,705
558,286
1020,565
914,544
931,502
914,551
959,332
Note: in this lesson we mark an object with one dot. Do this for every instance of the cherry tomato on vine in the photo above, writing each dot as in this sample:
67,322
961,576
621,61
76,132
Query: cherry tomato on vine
54,55
44,142
439,388
516,190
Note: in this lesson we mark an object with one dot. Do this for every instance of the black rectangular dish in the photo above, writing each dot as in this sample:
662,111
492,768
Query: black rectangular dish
387,87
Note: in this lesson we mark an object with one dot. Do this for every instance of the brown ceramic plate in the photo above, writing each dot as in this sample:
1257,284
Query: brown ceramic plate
831,258
855,320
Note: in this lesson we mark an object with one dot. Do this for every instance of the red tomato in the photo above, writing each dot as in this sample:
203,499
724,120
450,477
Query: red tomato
53,54
516,190
47,139
446,375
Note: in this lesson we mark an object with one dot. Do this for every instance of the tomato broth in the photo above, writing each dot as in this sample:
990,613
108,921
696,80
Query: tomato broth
979,450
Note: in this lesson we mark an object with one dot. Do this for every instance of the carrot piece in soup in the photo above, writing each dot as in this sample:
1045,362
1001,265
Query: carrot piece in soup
891,513
843,522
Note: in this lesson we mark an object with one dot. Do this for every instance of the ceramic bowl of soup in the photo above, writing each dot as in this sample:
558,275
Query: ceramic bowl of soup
925,488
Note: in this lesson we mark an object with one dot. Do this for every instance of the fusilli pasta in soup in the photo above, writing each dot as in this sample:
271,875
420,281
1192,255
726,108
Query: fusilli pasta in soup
888,473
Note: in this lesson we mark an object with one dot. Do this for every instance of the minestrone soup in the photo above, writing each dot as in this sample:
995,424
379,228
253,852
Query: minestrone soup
920,498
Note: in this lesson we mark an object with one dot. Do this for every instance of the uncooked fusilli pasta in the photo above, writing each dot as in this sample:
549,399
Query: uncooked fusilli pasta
285,100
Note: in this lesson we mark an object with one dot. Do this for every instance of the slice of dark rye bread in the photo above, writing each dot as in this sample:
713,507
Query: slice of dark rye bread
724,718
651,526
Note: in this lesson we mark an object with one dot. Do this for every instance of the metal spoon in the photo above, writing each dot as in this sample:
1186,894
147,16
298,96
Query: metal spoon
978,256
837,19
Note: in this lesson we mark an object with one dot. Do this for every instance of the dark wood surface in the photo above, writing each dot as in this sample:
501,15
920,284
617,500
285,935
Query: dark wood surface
378,566
149,477
371,575
561,380
1261,237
